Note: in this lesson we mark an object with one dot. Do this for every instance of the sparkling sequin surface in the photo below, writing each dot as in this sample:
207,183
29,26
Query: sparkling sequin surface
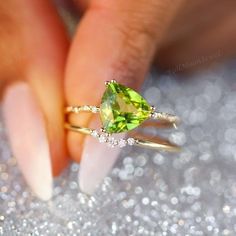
147,192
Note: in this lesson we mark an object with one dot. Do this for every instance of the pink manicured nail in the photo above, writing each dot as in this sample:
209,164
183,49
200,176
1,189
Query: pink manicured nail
96,162
27,135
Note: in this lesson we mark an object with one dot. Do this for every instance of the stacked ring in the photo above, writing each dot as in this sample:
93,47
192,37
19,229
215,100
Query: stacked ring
124,110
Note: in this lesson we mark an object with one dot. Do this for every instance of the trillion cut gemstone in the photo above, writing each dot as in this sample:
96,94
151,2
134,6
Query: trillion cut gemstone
122,109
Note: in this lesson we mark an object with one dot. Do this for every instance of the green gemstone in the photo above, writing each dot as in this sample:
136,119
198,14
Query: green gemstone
122,109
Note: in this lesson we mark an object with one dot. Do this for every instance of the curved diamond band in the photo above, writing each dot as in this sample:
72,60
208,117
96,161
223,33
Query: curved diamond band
122,110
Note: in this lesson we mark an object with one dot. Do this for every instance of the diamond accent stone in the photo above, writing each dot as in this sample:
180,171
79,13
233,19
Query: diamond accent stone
122,143
95,133
154,115
131,141
86,108
102,138
111,142
94,109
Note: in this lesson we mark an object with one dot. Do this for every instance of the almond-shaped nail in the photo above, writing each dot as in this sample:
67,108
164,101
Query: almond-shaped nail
96,162
28,138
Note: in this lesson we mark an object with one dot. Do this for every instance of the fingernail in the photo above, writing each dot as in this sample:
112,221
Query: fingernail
96,162
28,139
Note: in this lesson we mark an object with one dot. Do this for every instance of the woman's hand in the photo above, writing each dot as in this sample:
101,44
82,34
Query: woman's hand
114,40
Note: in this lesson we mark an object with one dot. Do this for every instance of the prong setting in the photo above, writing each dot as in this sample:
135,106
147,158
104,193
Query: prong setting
110,82
102,130
153,108
153,112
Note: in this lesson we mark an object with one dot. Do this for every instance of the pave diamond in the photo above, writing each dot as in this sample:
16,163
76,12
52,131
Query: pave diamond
112,142
122,142
94,109
131,141
122,109
95,133
102,138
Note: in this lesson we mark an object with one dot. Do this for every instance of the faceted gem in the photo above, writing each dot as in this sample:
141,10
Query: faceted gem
122,109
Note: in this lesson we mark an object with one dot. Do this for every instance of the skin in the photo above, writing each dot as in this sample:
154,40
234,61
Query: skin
117,39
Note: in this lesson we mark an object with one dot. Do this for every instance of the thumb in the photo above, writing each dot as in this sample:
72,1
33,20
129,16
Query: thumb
115,40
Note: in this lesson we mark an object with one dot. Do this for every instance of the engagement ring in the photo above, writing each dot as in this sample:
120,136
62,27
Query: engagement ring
124,110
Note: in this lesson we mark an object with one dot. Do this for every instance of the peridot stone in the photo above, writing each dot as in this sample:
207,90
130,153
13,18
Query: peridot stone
122,109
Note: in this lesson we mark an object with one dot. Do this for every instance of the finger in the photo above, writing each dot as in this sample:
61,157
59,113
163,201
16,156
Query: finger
115,40
33,106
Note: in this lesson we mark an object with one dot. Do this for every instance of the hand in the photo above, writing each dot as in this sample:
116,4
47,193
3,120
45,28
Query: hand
114,40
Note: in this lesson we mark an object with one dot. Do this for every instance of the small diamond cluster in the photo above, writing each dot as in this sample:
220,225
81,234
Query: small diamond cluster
165,116
93,109
111,141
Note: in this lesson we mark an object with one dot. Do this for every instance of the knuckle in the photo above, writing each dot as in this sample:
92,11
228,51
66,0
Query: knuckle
137,39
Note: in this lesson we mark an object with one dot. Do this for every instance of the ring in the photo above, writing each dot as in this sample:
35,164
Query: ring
124,110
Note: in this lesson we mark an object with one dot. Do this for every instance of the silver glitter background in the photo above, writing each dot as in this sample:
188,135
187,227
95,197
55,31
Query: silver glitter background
147,192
